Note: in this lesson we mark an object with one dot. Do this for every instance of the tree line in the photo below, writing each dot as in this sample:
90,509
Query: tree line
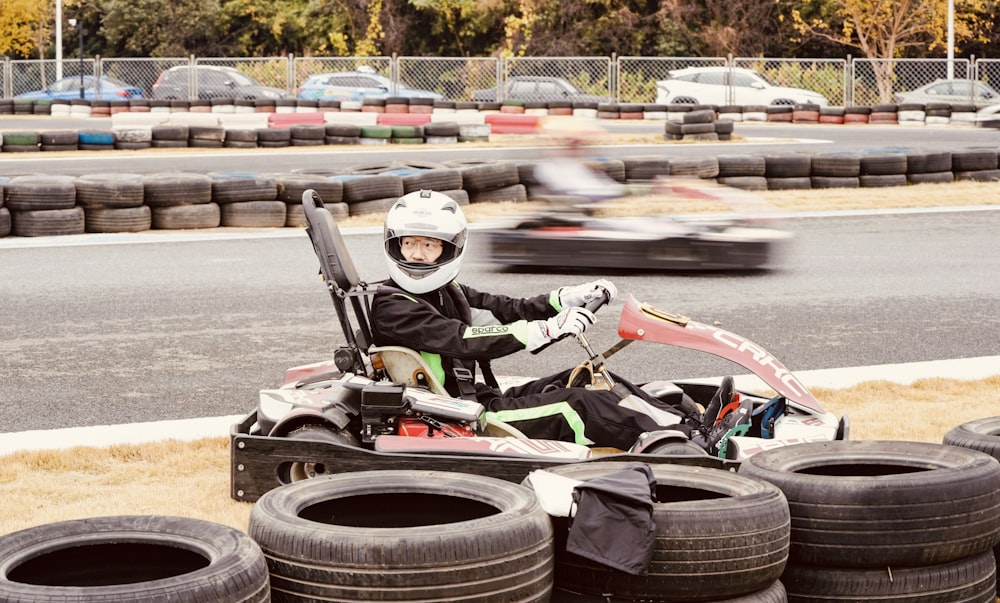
470,28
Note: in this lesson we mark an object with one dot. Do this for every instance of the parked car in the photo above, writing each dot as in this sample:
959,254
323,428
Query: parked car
709,86
213,82
954,92
357,85
536,88
93,88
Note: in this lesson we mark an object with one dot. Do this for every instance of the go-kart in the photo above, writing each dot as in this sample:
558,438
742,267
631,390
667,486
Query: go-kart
573,235
372,406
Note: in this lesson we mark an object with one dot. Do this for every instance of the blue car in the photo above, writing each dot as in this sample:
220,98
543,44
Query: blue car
355,86
68,88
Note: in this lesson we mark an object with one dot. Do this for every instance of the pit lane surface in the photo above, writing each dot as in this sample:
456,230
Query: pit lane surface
169,326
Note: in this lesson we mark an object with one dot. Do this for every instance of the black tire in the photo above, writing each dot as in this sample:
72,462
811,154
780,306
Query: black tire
371,187
47,222
928,162
746,183
202,143
206,133
982,435
60,147
969,580
405,536
789,184
881,503
639,169
59,137
741,165
169,144
775,593
718,535
788,166
459,195
274,135
241,135
343,130
235,187
153,559
292,186
30,193
341,140
441,128
515,193
835,182
488,176
433,179
372,206
253,214
931,178
21,148
124,219
170,132
4,221
168,189
111,190
882,180
836,165
86,146
883,164
179,217
971,160
699,167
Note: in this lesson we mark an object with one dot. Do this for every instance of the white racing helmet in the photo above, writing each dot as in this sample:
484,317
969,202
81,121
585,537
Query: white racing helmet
425,214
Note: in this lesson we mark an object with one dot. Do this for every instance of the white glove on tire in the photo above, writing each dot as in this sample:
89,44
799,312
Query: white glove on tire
571,321
581,295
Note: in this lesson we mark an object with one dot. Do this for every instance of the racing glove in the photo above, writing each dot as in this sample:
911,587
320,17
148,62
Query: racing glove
571,321
581,295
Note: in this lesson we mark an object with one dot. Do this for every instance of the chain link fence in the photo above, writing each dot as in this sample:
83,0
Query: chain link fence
843,82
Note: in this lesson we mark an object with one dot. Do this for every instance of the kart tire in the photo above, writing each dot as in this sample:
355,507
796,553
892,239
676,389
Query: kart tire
153,559
884,503
405,535
775,593
969,579
718,535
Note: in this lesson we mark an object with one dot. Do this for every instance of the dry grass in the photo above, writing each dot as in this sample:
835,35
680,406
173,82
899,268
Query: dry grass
191,479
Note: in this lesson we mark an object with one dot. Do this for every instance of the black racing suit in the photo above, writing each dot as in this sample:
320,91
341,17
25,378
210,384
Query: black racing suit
440,325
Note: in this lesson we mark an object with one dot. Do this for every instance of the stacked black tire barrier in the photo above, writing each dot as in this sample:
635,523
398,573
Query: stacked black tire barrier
148,558
719,536
982,435
181,200
405,536
884,520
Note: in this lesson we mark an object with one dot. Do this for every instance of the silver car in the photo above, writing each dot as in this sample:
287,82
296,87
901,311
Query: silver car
954,92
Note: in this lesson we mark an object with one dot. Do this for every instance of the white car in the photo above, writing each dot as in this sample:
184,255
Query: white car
728,86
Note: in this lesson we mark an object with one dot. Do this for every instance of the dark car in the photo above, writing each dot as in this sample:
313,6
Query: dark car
537,88
212,82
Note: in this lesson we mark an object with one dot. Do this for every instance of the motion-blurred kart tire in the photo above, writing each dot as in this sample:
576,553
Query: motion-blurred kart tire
167,189
179,217
30,193
47,222
718,535
405,536
110,190
254,214
969,580
880,504
125,219
154,559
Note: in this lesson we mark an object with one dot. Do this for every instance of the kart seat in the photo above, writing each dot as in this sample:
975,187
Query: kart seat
352,301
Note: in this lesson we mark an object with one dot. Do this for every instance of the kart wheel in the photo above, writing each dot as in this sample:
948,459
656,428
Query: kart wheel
303,470
405,535
718,536
884,503
152,559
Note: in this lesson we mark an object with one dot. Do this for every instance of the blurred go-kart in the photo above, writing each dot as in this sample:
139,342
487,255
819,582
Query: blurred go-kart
579,228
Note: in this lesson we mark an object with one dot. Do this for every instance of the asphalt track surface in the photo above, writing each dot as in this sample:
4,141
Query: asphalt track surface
171,333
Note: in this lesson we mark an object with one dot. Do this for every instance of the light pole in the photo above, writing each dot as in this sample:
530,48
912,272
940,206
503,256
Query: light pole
79,25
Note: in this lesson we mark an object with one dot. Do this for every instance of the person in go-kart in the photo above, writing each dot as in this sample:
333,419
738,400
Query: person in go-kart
455,327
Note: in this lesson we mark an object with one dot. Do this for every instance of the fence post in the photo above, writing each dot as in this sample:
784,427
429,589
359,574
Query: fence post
614,81
849,81
290,74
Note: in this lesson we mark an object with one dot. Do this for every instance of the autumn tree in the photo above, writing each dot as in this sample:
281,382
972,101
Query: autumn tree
25,27
884,30
721,27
